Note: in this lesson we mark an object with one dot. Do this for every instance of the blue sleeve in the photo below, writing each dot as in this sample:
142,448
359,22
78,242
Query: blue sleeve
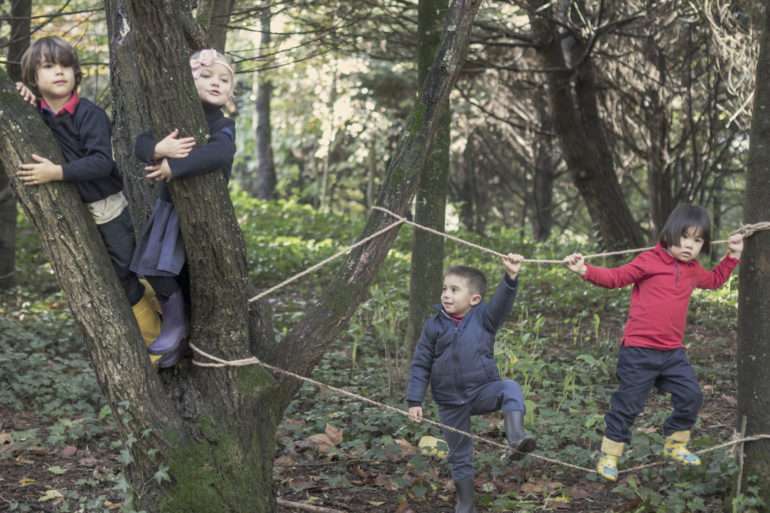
216,154
422,363
95,132
144,147
501,303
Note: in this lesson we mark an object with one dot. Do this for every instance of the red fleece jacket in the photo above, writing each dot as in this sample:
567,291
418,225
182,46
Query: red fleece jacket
662,288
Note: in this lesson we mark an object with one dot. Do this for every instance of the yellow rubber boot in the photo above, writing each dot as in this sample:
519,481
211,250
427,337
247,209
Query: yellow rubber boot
149,323
675,447
607,466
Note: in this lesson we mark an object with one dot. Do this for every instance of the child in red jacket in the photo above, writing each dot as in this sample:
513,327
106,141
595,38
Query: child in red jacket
651,352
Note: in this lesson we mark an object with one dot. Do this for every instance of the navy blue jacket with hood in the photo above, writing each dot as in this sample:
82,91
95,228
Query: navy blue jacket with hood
456,359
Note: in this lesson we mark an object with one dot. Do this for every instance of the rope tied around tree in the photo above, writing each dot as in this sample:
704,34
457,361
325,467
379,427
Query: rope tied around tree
253,360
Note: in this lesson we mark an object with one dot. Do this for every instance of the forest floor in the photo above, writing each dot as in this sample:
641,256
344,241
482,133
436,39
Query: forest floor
60,450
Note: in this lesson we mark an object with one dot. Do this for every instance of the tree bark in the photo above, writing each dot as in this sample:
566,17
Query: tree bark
266,178
573,94
21,10
546,160
754,293
213,17
87,278
430,203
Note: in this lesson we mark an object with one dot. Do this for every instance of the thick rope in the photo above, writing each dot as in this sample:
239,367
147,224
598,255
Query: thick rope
746,230
324,262
341,391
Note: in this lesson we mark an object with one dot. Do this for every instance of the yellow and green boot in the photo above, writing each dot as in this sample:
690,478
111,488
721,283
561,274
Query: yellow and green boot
607,466
148,320
675,447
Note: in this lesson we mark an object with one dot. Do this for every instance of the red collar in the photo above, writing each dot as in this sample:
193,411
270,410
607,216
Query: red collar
69,107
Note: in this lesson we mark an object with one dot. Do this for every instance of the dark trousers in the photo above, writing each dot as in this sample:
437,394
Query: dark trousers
502,395
638,371
118,237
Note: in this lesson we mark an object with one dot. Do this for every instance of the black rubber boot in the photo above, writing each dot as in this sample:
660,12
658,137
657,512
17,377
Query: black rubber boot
464,490
520,441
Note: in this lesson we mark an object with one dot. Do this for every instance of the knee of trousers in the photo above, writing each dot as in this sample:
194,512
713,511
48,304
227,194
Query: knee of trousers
692,401
512,397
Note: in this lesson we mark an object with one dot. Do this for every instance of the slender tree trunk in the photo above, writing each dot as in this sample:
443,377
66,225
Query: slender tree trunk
574,105
430,203
656,119
546,161
266,178
21,10
217,435
754,301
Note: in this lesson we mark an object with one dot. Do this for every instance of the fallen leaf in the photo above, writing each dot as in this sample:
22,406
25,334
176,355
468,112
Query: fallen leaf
407,449
376,503
26,481
51,495
6,439
334,434
321,442
57,470
112,505
284,461
404,508
88,462
68,451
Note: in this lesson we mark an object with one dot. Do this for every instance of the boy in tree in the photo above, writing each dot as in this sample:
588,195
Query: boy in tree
51,75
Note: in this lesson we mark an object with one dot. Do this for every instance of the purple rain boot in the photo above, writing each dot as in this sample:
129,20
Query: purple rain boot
173,330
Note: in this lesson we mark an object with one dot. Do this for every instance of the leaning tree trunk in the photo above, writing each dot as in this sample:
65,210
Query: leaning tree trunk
213,17
21,10
430,203
217,436
574,106
87,278
754,303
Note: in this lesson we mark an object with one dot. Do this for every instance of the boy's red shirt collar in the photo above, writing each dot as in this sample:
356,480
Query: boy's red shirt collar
69,107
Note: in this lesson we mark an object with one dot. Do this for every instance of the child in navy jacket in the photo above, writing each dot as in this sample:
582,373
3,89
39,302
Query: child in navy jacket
160,254
651,352
50,71
455,354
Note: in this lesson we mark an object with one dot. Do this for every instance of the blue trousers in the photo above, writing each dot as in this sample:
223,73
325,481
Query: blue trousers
502,395
639,370
118,237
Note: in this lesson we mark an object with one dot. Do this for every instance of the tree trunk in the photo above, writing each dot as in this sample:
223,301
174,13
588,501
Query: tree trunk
266,179
21,10
217,436
86,276
546,160
130,113
656,120
754,302
213,17
430,206
574,105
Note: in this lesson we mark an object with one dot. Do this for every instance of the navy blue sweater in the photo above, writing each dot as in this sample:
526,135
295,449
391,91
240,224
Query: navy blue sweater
84,139
216,154
457,358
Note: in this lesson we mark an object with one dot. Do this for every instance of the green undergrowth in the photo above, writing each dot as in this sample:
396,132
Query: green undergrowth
560,344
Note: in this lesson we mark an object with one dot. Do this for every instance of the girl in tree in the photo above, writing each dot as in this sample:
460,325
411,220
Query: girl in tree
160,254
652,353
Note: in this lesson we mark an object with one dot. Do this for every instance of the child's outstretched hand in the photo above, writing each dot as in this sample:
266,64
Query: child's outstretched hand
512,264
415,413
39,172
576,264
158,172
26,94
173,148
735,245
